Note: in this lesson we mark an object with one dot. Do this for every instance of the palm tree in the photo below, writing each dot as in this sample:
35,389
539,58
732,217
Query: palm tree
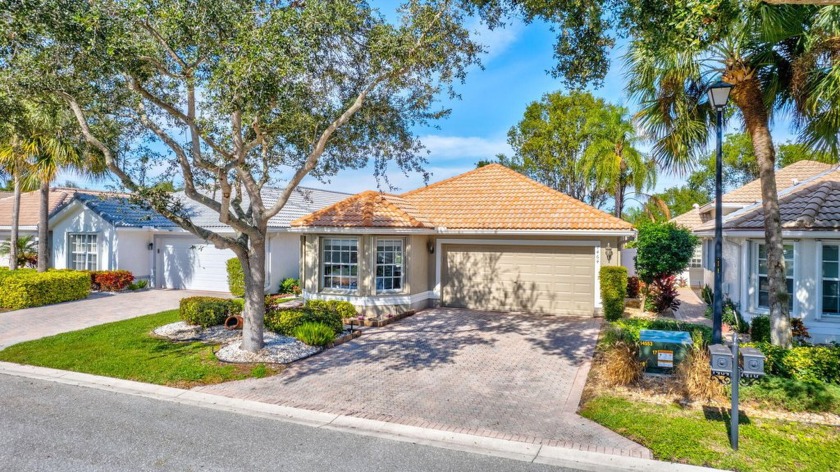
14,153
25,251
55,145
611,158
777,58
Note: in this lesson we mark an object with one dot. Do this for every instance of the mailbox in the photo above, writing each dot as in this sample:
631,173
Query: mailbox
721,359
753,362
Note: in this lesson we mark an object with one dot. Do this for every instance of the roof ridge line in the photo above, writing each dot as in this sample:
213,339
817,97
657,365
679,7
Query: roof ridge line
454,177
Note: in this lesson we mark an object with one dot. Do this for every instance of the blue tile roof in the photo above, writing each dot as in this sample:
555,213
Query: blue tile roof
120,211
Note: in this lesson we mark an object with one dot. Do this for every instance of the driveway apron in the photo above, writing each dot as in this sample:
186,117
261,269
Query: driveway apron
511,376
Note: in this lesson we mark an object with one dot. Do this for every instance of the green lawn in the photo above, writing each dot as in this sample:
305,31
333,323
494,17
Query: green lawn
701,437
125,350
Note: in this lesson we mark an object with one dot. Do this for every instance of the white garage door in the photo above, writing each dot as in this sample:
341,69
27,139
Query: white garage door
535,279
191,263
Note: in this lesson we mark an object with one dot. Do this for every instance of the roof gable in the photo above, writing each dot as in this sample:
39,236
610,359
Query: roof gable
786,178
492,197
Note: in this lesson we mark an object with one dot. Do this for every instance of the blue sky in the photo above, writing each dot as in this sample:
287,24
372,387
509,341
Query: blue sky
492,100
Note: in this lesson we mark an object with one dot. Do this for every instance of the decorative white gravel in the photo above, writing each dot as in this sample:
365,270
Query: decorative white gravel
181,331
278,349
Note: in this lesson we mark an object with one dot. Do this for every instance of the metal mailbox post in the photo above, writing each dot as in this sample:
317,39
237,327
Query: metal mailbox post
733,366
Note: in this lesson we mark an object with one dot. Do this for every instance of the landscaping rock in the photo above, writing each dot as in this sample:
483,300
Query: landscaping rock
277,350
181,331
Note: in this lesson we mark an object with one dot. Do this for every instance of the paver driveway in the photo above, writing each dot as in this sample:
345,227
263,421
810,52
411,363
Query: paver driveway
501,375
35,323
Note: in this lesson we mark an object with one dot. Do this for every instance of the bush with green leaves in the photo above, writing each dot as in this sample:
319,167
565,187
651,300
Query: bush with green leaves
329,313
235,277
315,334
663,250
701,334
290,286
707,295
24,288
205,311
613,291
760,329
731,316
802,363
286,321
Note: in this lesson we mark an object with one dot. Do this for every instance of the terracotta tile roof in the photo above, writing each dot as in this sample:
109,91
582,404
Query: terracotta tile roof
492,197
786,178
690,219
30,204
812,206
367,209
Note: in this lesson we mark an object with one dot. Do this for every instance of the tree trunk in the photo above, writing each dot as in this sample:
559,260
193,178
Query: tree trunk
13,239
747,95
253,266
43,227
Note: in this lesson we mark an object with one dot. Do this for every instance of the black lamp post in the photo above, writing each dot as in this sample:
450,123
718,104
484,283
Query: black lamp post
718,97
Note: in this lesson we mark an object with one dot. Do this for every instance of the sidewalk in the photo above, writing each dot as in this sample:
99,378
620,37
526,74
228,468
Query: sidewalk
692,309
543,454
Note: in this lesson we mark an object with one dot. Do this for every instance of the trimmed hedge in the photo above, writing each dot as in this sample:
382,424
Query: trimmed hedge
330,313
236,277
285,321
613,291
25,289
110,280
206,311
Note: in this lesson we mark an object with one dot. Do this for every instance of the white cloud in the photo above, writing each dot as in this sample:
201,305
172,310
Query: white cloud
498,40
463,147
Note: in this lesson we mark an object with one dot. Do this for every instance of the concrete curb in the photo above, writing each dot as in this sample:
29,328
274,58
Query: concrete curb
551,455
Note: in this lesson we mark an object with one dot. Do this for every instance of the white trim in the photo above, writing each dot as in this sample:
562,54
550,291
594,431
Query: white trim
514,242
365,301
359,253
819,287
597,303
374,248
760,234
359,231
542,232
753,271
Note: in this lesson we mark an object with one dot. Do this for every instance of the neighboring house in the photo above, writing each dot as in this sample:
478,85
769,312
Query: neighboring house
694,274
809,200
108,232
489,239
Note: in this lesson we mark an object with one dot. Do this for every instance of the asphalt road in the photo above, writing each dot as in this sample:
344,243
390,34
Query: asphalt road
56,427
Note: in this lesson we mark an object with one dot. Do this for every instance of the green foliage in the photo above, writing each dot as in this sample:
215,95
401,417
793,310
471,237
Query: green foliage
290,286
613,291
778,393
236,278
707,295
26,288
139,285
760,329
237,305
315,334
663,249
125,350
27,251
205,311
286,321
329,313
569,142
802,363
731,316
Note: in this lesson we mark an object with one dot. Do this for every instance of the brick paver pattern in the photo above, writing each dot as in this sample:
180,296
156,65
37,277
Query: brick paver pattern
35,323
511,376
692,309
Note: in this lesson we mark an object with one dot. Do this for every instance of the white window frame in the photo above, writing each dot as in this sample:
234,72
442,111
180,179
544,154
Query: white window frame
323,265
71,263
821,278
376,265
696,261
791,273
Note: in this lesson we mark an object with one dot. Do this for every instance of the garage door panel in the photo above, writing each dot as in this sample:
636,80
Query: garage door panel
193,264
539,279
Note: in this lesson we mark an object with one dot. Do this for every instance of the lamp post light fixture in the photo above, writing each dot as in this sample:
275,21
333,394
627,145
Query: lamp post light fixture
718,97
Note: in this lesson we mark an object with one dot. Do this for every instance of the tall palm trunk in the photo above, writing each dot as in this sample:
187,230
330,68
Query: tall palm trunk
13,239
748,97
43,227
621,187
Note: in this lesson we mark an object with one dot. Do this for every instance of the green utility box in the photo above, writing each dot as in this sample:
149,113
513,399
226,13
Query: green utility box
663,350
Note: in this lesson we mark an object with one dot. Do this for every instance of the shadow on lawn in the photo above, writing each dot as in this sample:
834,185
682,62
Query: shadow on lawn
433,338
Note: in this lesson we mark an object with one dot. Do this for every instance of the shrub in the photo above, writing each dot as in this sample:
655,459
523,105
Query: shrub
760,329
613,291
329,312
663,249
632,287
205,311
662,295
236,277
707,295
290,286
285,321
731,316
139,285
315,334
110,280
24,289
803,363
343,309
621,364
237,306
799,331
694,374
700,334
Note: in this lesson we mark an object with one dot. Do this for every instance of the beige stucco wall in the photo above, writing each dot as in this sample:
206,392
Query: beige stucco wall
420,268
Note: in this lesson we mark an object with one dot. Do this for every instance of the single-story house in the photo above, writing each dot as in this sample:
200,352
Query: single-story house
489,239
809,200
107,232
